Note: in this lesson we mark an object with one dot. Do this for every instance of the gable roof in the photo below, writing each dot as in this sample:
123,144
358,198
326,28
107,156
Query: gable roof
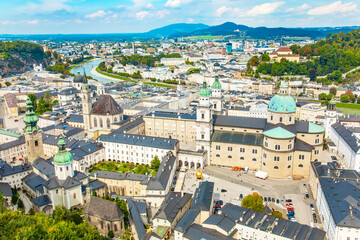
104,209
106,105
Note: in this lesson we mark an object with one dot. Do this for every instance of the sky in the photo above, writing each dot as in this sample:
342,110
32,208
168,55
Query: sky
131,16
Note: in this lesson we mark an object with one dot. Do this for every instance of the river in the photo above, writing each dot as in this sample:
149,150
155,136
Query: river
88,66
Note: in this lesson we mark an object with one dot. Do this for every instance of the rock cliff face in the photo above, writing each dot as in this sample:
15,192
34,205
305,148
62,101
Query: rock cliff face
17,57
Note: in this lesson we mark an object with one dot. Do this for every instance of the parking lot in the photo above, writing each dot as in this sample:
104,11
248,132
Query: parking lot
236,183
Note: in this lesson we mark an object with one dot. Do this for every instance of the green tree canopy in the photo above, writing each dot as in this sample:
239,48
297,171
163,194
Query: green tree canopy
155,163
265,57
333,91
33,99
322,96
254,202
344,98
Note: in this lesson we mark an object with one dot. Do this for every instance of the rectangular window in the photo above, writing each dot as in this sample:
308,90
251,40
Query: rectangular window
254,151
276,159
277,147
242,150
317,141
217,147
301,157
229,148
289,158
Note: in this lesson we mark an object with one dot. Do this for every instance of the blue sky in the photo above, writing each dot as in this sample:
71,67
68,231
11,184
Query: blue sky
117,16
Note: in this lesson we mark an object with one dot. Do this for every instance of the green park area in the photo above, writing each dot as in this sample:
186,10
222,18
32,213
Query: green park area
128,167
112,75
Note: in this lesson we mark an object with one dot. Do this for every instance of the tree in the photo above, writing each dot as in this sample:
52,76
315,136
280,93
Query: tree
329,96
33,99
322,96
277,214
111,234
14,199
350,93
31,211
254,61
122,205
344,98
155,163
2,203
358,100
254,202
7,84
333,91
312,74
20,204
265,57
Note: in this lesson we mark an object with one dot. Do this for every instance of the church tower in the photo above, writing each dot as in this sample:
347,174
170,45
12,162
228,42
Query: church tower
86,102
204,121
216,96
330,117
63,162
33,136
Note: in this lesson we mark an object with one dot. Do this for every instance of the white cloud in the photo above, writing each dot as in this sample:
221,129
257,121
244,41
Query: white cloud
143,14
265,8
299,8
98,14
162,13
220,11
149,6
176,3
190,20
28,22
335,7
45,6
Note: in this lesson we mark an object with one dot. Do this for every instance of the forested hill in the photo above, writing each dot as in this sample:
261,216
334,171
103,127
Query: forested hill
18,56
336,54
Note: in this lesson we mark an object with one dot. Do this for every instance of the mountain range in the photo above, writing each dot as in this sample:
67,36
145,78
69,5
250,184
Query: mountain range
194,29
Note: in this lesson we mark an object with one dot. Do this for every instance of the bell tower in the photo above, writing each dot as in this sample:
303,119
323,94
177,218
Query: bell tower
33,136
204,121
330,117
86,102
216,96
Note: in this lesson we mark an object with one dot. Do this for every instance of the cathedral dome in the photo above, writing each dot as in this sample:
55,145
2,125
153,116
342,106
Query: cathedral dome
62,157
78,78
204,91
282,102
216,84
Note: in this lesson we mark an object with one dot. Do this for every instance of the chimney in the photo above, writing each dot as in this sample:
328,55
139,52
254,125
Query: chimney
351,211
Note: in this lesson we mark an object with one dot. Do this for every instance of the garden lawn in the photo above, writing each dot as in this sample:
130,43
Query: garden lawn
123,168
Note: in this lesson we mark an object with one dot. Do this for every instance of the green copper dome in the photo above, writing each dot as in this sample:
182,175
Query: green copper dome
216,84
62,157
282,102
204,91
30,119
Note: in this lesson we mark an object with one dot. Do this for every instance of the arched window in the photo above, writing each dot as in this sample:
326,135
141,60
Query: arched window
280,119
36,143
254,159
276,167
108,227
115,119
101,123
95,122
108,123
264,164
217,155
115,227
74,195
289,119
289,166
229,156
300,165
102,225
241,158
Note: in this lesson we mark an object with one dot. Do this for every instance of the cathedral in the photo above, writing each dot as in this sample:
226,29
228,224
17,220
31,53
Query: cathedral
279,145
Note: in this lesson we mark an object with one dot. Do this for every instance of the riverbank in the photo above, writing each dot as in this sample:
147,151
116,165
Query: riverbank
94,72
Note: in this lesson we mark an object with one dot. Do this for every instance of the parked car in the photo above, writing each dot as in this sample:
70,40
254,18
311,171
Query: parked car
265,199
273,199
289,204
288,200
172,189
220,202
223,190
290,209
307,195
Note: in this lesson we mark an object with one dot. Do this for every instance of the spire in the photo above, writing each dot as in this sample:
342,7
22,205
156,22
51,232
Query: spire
30,119
216,84
84,78
62,156
204,91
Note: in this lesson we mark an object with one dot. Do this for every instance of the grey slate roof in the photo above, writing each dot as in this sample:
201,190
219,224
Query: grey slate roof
203,196
146,141
120,176
329,171
41,201
135,215
161,179
197,232
12,144
54,183
302,146
340,196
243,122
96,184
44,166
346,135
172,204
7,170
186,221
106,105
129,125
35,182
5,189
103,209
170,114
75,118
237,138
221,221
